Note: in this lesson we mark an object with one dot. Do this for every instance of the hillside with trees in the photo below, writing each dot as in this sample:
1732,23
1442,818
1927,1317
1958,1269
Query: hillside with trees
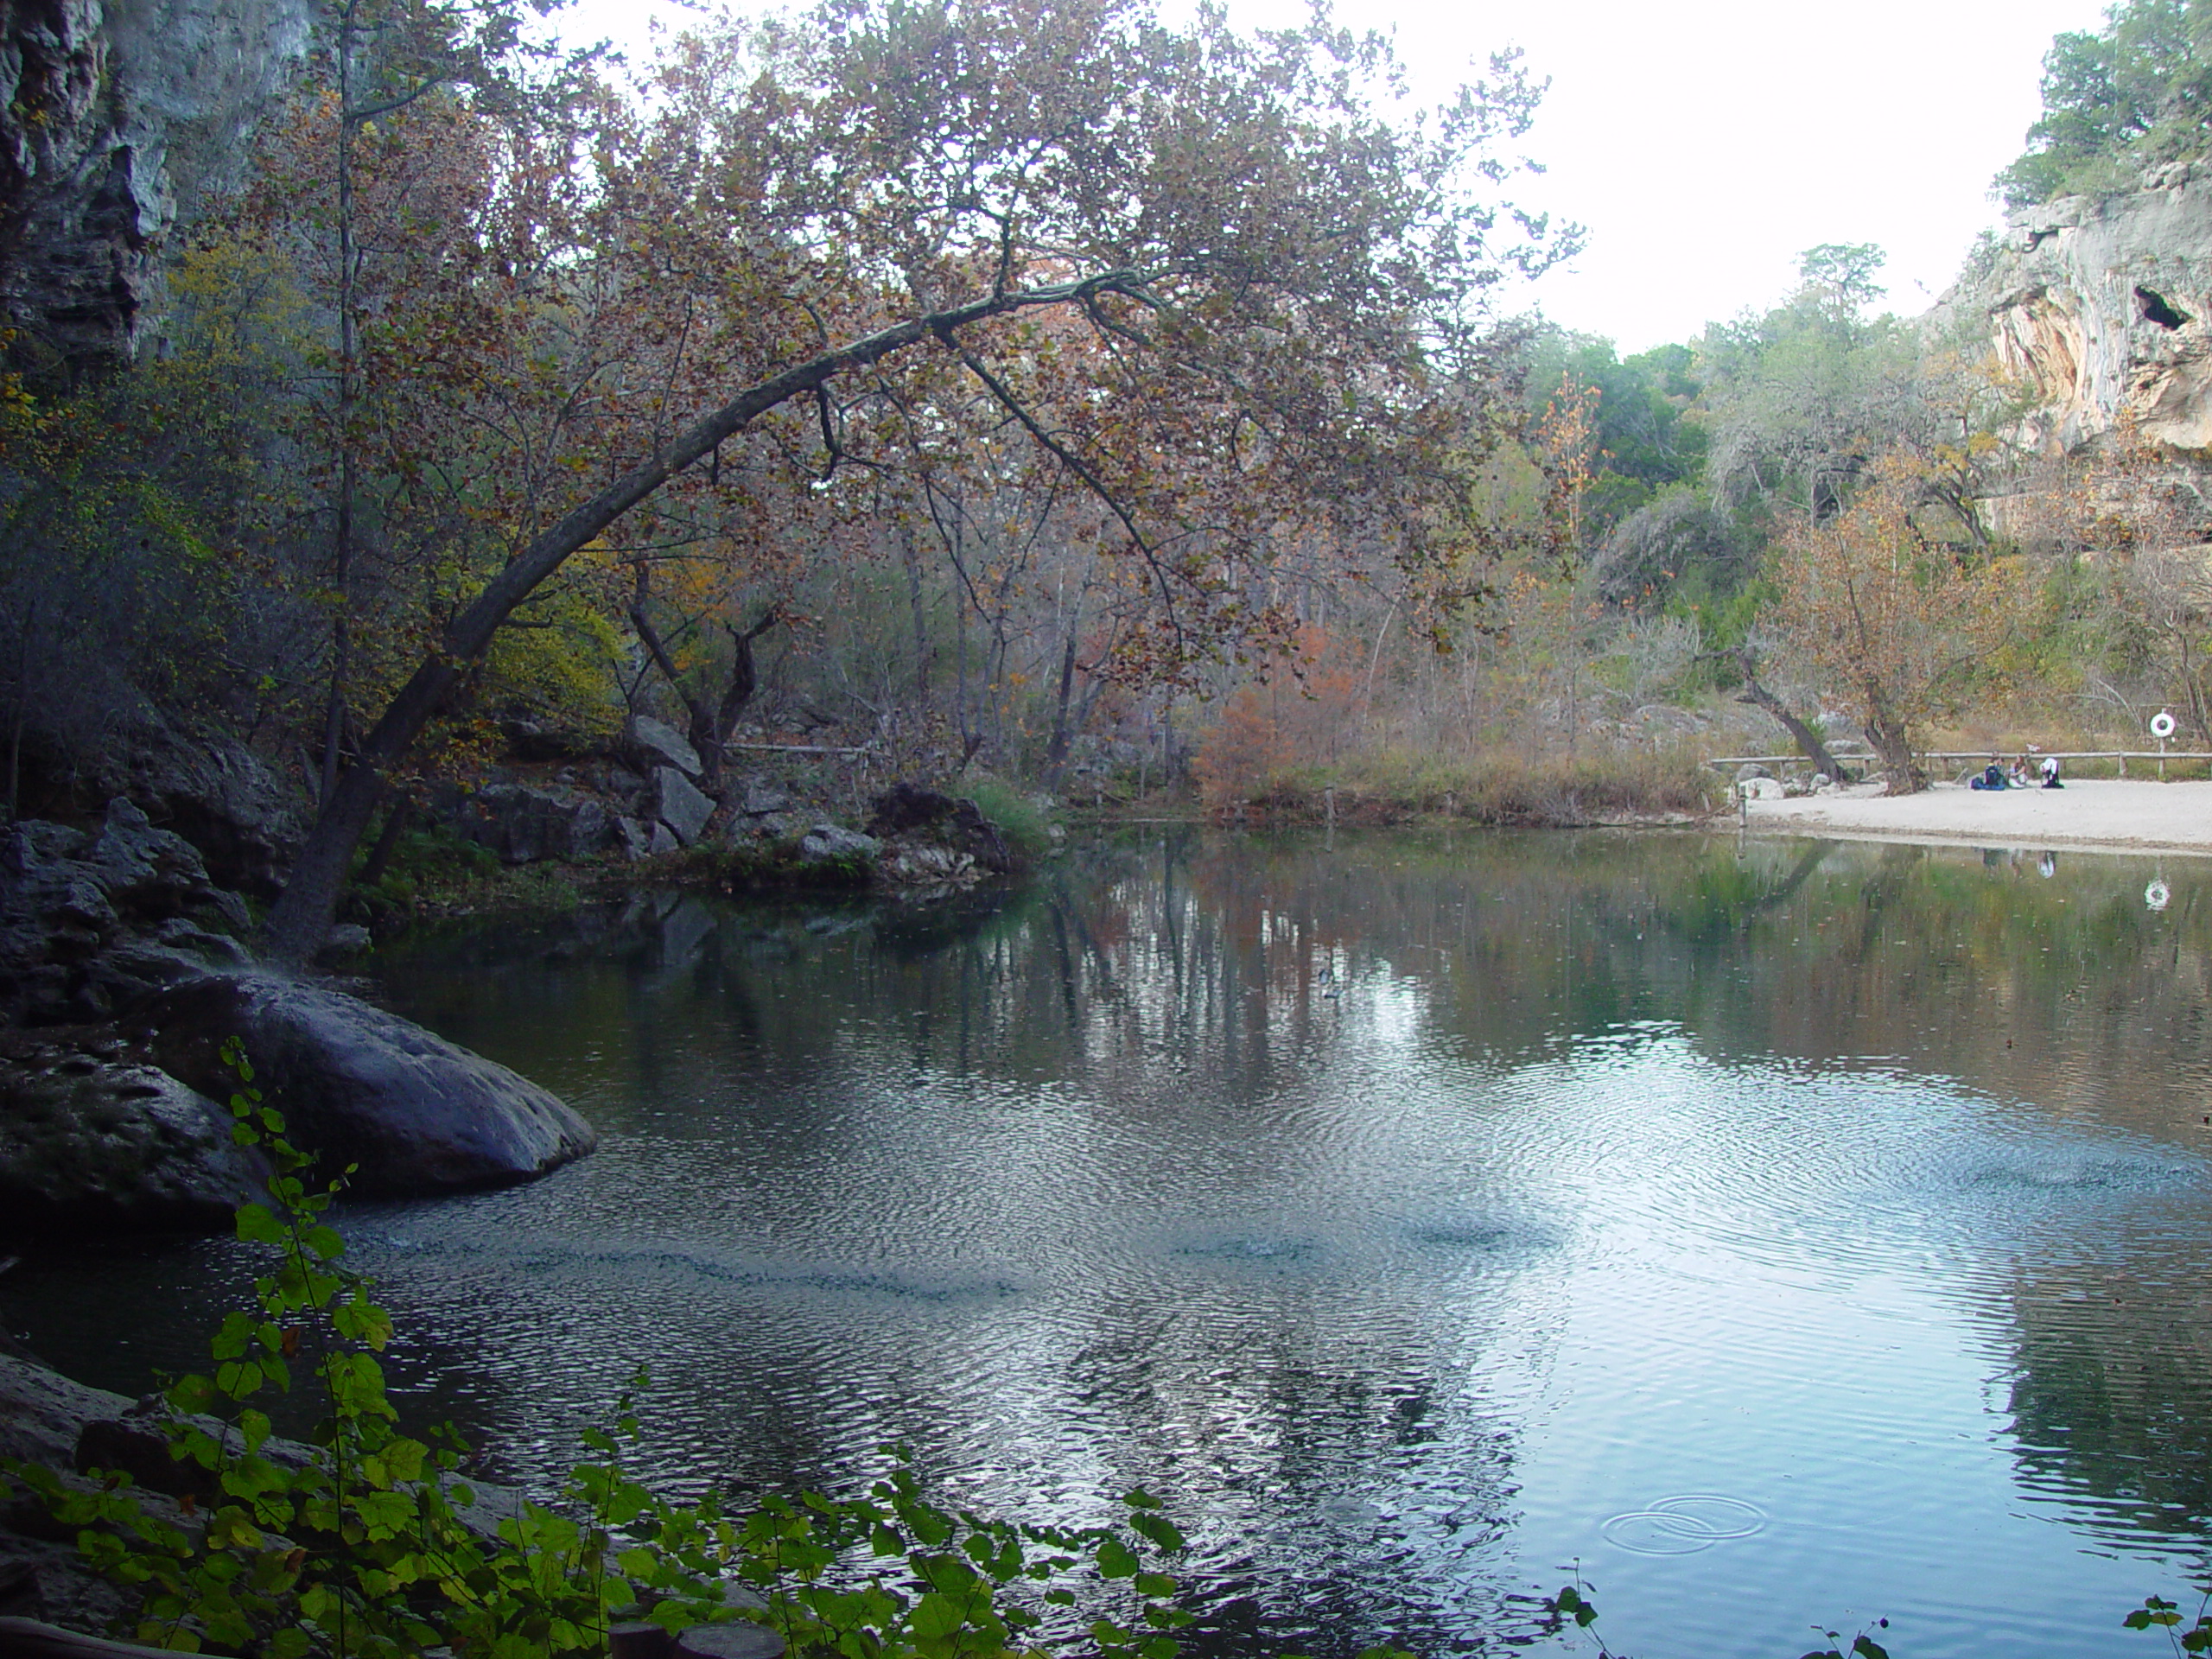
1044,398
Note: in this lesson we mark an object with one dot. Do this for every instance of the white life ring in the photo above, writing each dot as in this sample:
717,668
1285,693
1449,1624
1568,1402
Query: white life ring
2162,725
2157,895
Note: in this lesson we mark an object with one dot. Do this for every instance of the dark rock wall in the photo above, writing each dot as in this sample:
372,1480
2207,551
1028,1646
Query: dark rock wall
118,119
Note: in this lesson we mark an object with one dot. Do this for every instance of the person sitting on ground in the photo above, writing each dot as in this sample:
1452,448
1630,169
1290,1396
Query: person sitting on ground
2018,776
1992,777
2050,773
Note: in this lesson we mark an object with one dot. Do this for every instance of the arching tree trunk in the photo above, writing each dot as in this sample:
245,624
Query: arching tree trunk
1804,736
301,920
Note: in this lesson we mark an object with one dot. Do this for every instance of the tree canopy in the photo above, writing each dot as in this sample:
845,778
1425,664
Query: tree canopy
2132,96
1225,287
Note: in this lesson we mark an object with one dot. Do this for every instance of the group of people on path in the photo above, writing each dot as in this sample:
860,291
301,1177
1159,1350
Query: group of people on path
1995,775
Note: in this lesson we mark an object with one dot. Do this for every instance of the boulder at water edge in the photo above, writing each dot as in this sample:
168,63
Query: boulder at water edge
94,1143
358,1085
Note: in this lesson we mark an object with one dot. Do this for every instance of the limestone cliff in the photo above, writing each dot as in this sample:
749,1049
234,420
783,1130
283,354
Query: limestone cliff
117,118
2102,308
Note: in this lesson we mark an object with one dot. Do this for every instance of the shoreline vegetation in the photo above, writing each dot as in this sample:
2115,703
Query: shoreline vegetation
1669,790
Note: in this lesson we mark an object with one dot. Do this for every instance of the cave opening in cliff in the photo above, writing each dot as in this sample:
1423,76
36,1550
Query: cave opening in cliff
2157,309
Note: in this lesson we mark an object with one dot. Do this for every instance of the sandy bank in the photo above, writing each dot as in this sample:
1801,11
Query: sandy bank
2127,816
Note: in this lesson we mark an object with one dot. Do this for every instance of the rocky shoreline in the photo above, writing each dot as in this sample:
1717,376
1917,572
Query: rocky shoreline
125,965
47,1418
124,974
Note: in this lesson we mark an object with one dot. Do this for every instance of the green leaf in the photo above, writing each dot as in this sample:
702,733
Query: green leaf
936,1615
1116,1559
1160,1530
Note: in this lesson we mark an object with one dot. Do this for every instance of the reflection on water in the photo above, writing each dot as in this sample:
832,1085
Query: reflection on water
1785,1232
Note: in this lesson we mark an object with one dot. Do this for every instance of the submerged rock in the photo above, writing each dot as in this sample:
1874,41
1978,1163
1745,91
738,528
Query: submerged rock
93,1142
416,1114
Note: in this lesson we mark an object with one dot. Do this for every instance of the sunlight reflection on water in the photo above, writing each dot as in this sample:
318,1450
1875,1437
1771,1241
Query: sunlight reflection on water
1774,1235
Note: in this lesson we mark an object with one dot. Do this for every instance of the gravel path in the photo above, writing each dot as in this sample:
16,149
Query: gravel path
2090,812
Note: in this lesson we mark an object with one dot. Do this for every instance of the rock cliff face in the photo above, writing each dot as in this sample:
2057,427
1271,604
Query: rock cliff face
2102,308
117,118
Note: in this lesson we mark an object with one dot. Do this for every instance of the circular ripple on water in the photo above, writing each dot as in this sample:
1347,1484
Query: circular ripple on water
1684,1524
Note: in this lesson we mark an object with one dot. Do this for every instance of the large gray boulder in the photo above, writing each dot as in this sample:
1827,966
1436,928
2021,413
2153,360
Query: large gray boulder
672,799
42,1415
760,797
70,900
153,873
94,1143
357,1085
657,743
524,824
589,830
217,793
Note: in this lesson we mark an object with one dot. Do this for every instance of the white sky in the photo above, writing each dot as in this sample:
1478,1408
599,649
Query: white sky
1704,143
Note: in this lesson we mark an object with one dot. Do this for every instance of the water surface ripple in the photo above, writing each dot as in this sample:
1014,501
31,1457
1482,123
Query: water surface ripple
1786,1234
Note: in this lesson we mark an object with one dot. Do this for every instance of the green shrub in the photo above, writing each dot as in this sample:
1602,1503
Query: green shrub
1026,829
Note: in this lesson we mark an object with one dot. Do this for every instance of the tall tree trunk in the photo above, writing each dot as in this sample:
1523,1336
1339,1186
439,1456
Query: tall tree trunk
920,619
387,841
1885,732
28,629
342,634
743,681
710,725
1056,749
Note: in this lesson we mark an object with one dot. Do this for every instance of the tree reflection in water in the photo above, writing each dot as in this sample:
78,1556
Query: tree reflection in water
1399,1208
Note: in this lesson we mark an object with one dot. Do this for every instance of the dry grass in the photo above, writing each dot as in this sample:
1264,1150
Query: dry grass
1505,788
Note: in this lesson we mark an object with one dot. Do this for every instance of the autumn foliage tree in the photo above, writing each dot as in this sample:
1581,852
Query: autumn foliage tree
1285,286
1900,622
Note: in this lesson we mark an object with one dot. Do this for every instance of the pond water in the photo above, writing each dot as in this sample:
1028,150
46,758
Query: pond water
1785,1232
